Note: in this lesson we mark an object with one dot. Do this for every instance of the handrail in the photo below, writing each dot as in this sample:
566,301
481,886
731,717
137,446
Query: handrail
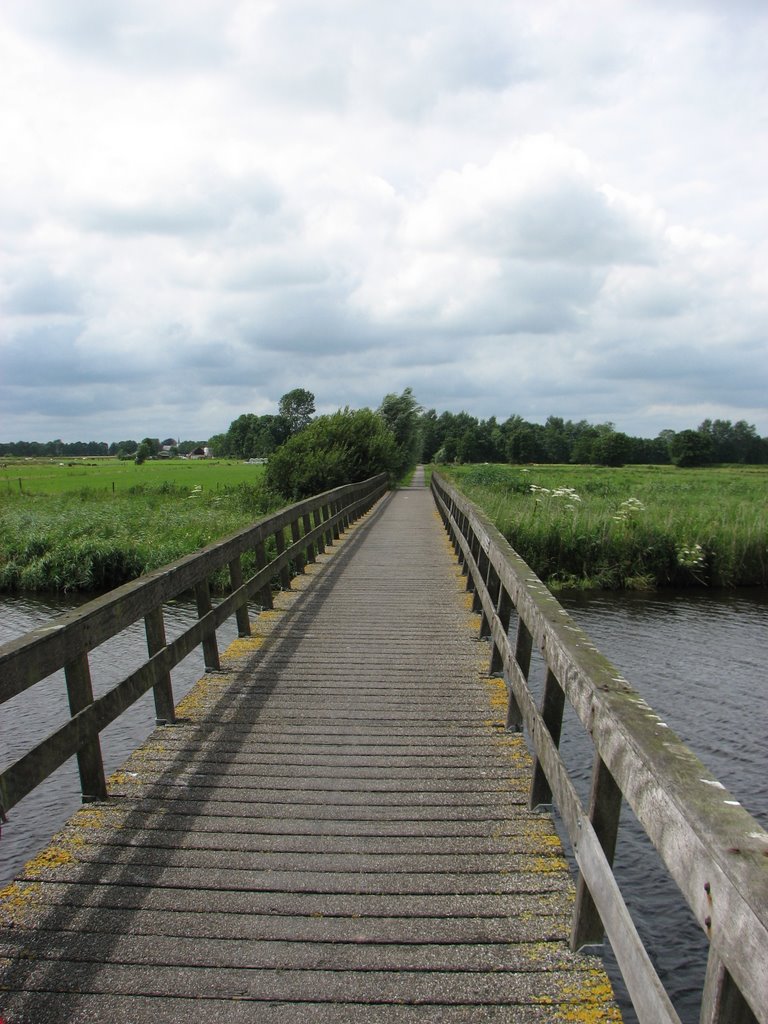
715,851
297,533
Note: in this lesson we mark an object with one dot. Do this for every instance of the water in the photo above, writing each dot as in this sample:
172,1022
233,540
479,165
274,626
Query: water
698,658
31,716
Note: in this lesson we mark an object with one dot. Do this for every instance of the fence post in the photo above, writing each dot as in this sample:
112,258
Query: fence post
89,760
604,812
285,572
310,553
154,627
241,615
210,646
261,561
296,537
552,706
504,609
523,646
721,1001
317,519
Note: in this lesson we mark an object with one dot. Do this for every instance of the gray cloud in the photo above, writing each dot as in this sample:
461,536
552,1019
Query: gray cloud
511,208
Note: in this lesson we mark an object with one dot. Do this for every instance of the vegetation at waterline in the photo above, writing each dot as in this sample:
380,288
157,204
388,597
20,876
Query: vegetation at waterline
92,539
636,527
92,524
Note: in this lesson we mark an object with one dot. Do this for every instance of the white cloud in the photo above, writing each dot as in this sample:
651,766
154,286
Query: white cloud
518,208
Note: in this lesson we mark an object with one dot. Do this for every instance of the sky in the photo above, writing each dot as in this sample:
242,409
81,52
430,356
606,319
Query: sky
511,207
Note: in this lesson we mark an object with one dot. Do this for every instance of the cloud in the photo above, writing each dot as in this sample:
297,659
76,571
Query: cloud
514,208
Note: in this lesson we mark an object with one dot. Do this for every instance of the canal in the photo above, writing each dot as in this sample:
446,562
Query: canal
697,657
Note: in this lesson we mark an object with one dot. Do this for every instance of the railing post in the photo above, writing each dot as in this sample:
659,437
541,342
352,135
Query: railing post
261,561
310,552
552,706
154,627
285,572
721,1001
504,609
210,646
296,537
90,764
492,585
523,647
604,811
481,561
317,519
241,615
334,508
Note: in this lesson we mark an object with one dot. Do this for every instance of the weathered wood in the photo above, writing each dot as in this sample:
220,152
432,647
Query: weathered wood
236,580
261,563
604,811
154,626
285,574
67,640
721,1002
300,560
210,645
708,842
336,830
89,760
552,707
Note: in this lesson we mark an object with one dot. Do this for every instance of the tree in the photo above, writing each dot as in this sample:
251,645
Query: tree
690,448
344,447
143,452
297,408
611,448
402,415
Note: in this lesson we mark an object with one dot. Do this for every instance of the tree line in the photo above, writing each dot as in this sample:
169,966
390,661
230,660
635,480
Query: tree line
459,437
413,434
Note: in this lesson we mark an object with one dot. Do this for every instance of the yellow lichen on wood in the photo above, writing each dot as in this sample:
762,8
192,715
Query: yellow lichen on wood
243,646
50,859
17,899
549,865
89,817
591,1001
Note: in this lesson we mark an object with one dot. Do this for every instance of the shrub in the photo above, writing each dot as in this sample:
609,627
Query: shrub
344,447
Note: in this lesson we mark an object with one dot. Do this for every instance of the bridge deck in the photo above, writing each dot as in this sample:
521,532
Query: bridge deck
336,831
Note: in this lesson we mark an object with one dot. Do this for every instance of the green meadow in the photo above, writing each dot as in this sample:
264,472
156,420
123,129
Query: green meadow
63,476
92,524
636,527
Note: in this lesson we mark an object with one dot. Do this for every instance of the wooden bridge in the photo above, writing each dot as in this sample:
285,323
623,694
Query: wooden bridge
335,824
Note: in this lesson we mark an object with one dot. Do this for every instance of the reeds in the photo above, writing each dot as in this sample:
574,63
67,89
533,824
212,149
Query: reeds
633,528
94,540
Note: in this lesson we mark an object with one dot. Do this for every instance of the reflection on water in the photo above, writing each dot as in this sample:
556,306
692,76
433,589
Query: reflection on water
31,716
696,657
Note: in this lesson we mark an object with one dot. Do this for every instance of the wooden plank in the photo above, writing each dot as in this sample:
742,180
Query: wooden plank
713,849
370,857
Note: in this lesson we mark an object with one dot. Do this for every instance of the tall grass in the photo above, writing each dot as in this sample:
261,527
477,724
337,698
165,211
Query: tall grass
91,540
632,528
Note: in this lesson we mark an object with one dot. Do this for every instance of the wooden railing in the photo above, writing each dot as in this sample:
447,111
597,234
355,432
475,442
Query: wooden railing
713,849
280,543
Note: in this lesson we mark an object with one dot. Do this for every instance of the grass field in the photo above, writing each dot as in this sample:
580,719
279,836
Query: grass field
637,527
54,476
93,524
